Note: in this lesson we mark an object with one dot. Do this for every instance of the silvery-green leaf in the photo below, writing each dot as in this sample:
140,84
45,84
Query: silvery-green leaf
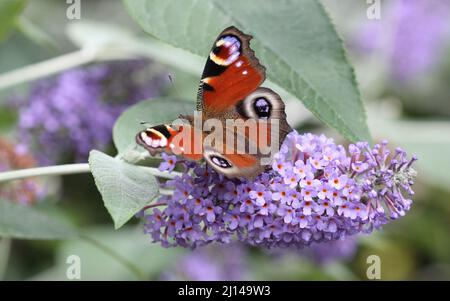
125,188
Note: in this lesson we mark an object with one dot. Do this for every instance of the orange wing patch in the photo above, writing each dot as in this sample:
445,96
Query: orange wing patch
234,84
231,72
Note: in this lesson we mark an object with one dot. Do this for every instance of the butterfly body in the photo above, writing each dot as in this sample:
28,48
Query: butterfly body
229,93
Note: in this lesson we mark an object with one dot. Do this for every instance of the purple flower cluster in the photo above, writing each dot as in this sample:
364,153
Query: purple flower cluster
316,191
412,34
71,114
213,263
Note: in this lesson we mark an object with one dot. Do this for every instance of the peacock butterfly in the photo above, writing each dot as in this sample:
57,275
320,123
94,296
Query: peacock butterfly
229,93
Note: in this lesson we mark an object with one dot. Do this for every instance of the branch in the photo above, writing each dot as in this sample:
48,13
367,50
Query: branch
45,171
69,169
59,64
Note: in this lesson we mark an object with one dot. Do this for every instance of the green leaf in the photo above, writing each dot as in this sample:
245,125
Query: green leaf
9,11
125,188
130,243
23,222
152,112
295,40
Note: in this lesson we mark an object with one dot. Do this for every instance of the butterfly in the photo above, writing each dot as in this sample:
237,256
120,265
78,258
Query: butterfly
229,90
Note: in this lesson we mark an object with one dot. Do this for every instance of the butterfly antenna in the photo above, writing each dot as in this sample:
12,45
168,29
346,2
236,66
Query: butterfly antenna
173,85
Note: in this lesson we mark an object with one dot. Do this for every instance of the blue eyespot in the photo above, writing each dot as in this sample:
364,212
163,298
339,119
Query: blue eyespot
262,108
219,161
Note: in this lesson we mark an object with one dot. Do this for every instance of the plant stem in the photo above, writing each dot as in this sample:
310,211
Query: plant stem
46,68
68,169
44,171
122,260
154,205
58,64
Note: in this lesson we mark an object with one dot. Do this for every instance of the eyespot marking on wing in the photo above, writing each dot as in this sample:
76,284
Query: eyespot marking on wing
155,137
262,103
220,161
262,107
226,50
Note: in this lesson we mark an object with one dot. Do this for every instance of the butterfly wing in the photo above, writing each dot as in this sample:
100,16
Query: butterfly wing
230,86
231,72
182,140
258,129
225,160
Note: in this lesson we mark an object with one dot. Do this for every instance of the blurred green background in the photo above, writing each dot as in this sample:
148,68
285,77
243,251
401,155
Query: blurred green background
402,62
